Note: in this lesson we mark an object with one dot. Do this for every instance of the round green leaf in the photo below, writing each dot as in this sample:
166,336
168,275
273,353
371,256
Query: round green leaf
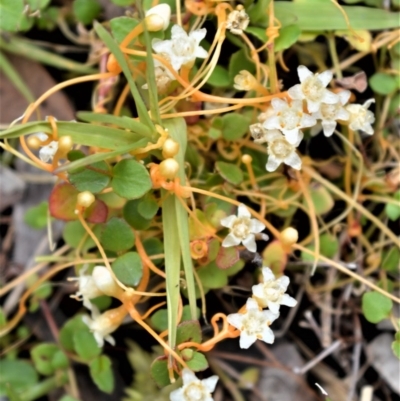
188,330
117,235
287,37
148,207
68,330
240,61
159,320
212,277
321,199
18,374
121,26
383,83
85,344
128,268
391,259
130,180
48,358
159,371
93,178
198,362
230,172
101,373
219,78
86,10
376,306
392,210
74,233
36,216
234,126
133,217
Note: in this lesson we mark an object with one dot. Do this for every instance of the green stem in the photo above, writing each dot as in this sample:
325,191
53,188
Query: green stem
44,387
334,55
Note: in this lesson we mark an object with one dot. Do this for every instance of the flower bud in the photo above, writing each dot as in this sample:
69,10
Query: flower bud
170,148
289,236
85,199
112,65
157,18
65,144
34,142
169,168
244,81
247,159
105,281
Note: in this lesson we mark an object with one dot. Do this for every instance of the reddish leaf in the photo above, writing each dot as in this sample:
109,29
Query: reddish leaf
275,257
97,213
227,257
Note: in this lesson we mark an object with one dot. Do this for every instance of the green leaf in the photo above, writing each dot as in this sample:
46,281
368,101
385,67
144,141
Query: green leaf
240,61
258,11
128,268
67,332
219,78
123,3
328,246
131,179
122,26
117,236
16,373
212,277
133,217
392,210
68,398
396,345
38,4
230,172
382,83
11,12
93,178
48,358
321,198
186,313
159,320
391,259
154,246
198,362
330,17
159,371
101,373
188,331
148,207
36,216
275,256
234,126
287,37
227,257
86,10
74,233
85,344
376,306
257,32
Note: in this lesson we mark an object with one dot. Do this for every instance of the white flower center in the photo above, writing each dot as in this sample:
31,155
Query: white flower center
253,323
280,148
241,227
329,111
290,118
183,48
272,291
195,392
313,89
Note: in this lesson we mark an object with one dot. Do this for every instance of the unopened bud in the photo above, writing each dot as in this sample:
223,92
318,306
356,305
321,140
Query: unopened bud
65,144
157,18
170,148
105,281
169,168
85,199
289,236
112,65
244,81
247,159
34,142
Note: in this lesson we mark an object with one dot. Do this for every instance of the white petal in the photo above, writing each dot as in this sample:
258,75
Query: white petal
161,46
316,129
272,135
270,316
200,52
235,320
246,340
243,211
329,97
307,121
177,63
343,115
230,240
228,221
291,135
368,103
293,160
188,376
256,226
283,282
328,127
313,106
250,243
278,104
295,92
99,339
267,273
268,335
198,35
297,105
210,383
110,339
177,395
251,304
325,77
288,300
272,123
367,128
300,138
258,290
272,163
273,306
303,73
344,96
177,32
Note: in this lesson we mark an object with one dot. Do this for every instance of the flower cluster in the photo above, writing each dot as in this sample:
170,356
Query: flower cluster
91,286
254,323
283,122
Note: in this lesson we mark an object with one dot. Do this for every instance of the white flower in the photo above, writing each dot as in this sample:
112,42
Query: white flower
87,288
312,88
289,118
159,17
360,117
281,151
329,113
102,325
254,324
258,132
271,292
194,389
105,282
182,49
237,21
47,152
244,81
243,228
